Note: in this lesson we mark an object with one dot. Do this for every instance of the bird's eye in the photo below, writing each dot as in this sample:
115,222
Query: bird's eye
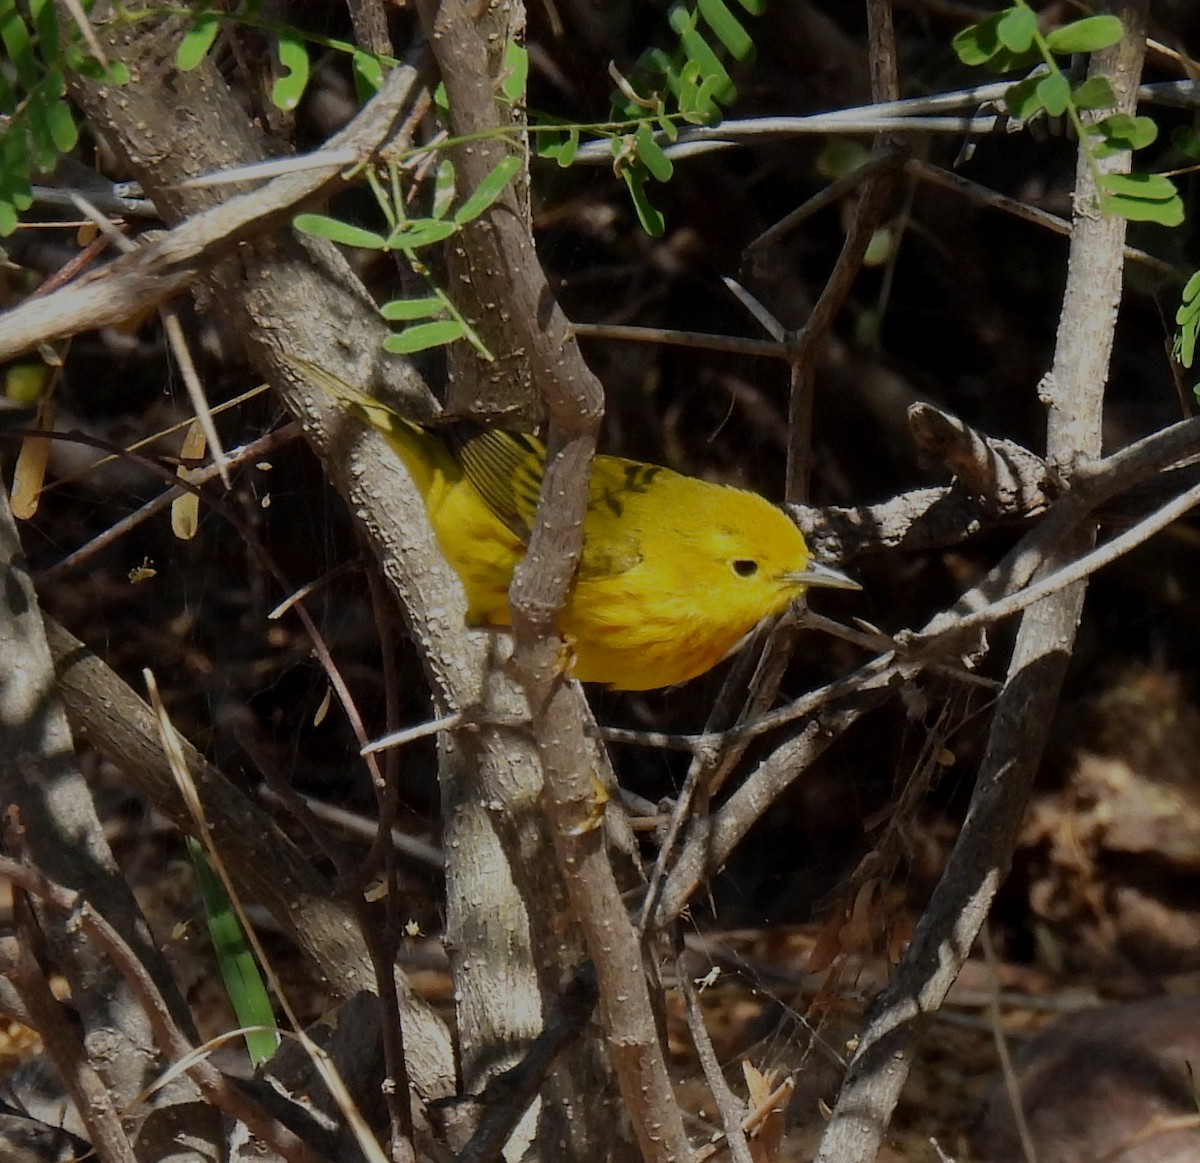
745,567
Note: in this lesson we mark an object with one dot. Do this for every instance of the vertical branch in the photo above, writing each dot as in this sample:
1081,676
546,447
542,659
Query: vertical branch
536,327
41,784
93,1100
1073,394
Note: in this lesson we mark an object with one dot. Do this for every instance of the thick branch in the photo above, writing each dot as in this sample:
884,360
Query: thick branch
980,858
43,793
574,400
161,270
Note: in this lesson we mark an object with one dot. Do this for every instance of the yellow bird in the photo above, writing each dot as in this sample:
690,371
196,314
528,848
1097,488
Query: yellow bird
675,571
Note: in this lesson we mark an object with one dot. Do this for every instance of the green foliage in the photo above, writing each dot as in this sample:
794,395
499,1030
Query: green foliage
1186,141
689,84
292,49
1012,40
38,125
440,321
196,42
239,971
1188,318
514,74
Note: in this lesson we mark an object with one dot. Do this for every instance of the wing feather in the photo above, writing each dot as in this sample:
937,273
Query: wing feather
504,467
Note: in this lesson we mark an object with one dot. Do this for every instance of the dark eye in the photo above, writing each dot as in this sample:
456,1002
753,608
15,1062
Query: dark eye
745,567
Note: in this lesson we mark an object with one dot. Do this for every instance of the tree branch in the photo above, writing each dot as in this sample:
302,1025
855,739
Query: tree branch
1017,738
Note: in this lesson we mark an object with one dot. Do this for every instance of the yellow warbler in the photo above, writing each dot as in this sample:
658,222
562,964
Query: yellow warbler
675,571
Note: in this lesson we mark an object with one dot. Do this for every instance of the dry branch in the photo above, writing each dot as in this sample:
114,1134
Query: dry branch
537,328
52,816
163,269
961,900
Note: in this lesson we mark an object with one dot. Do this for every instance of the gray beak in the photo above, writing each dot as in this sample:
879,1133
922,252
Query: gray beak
816,574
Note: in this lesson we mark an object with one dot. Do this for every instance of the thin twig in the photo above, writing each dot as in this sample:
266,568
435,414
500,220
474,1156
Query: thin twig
949,180
1012,1085
1074,394
731,1109
197,477
700,340
92,1099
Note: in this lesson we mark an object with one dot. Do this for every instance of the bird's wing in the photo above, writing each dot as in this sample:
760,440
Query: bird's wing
612,543
504,467
506,470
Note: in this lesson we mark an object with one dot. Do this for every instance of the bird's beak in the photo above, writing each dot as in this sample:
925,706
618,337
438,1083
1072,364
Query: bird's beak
816,574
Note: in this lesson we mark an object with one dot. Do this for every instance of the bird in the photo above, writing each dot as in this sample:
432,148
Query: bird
675,572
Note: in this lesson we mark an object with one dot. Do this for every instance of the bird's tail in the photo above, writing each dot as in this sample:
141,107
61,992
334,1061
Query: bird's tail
417,447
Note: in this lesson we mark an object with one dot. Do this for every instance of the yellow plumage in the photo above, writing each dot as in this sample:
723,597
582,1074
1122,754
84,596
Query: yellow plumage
675,571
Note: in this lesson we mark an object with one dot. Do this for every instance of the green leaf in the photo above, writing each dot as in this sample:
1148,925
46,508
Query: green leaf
656,61
881,248
368,74
1017,29
1154,187
1086,35
1054,92
754,7
25,380
441,99
37,116
652,221
419,232
515,72
243,981
667,127
196,42
443,188
488,190
424,336
19,45
1094,93
1188,317
14,173
335,230
8,216
699,51
53,83
115,73
75,58
1136,210
1141,198
1186,141
1005,61
727,29
1191,293
1023,100
1120,132
650,154
293,56
61,124
698,95
402,310
1188,313
560,150
45,26
977,43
